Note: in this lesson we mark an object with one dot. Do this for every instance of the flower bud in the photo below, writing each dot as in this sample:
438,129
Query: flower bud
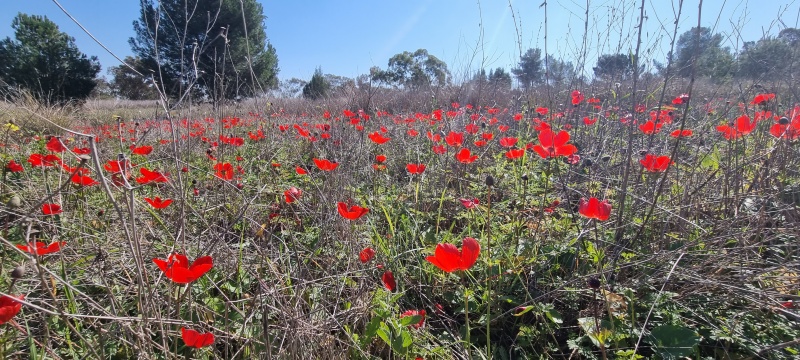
489,180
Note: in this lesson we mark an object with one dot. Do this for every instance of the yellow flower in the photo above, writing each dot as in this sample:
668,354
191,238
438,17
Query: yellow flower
9,126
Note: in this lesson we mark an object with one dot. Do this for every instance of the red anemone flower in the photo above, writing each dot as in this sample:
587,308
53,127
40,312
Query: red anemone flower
51,209
300,170
325,164
150,176
9,307
366,255
594,209
743,126
48,160
515,153
142,150
195,339
83,180
785,129
761,99
158,203
650,127
454,139
415,168
55,145
388,281
508,142
420,313
448,258
378,138
224,171
553,145
681,133
40,248
292,194
589,121
13,167
380,158
577,97
655,163
351,212
465,156
469,203
177,268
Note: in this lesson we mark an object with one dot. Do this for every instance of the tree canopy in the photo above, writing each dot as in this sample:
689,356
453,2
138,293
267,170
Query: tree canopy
317,87
713,59
530,69
413,70
217,47
129,84
46,61
614,66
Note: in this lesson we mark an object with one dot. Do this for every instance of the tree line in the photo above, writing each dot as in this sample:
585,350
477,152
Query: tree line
220,51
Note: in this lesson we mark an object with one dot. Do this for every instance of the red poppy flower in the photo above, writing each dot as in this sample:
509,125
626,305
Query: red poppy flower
83,180
412,132
415,168
377,138
351,212
177,268
681,133
515,153
589,121
655,163
300,171
366,255
448,258
542,111
55,145
40,248
574,159
142,150
325,164
650,127
51,209
577,97
292,194
508,142
454,139
150,176
470,203
503,128
388,281
195,339
472,128
420,313
465,156
48,160
380,158
594,209
13,167
158,203
761,99
9,307
553,145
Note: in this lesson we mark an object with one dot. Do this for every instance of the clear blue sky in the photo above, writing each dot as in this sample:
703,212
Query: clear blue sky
347,37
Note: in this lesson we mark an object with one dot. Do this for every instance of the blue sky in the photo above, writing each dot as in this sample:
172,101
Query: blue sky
347,37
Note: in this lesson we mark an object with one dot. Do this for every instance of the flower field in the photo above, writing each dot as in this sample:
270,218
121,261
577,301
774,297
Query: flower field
594,227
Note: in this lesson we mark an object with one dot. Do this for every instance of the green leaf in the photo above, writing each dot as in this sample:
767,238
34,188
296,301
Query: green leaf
673,341
553,315
410,320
